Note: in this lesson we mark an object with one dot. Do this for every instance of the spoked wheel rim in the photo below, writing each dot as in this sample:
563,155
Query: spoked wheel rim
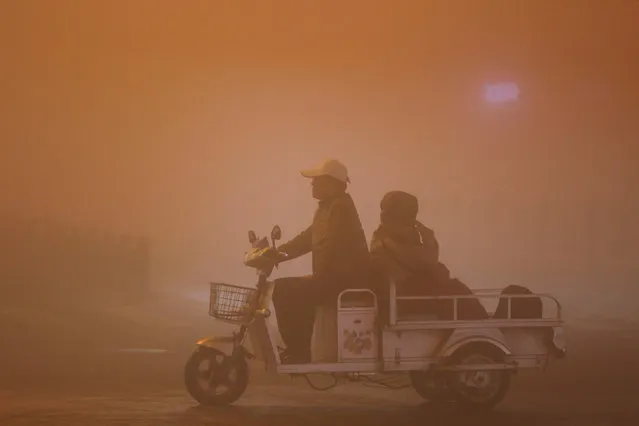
478,386
215,376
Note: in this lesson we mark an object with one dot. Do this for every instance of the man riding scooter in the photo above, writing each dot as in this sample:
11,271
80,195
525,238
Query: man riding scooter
340,253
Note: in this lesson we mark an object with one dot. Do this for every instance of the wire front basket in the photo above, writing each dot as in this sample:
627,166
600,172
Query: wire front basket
231,303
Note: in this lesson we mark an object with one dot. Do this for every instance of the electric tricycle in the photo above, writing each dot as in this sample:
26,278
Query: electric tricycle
469,362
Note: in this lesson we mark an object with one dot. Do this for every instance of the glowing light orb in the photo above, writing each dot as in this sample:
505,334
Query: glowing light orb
499,93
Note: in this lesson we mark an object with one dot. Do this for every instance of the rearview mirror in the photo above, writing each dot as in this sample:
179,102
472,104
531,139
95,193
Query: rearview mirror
276,233
252,237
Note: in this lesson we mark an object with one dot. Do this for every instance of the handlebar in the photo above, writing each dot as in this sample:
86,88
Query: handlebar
264,256
264,259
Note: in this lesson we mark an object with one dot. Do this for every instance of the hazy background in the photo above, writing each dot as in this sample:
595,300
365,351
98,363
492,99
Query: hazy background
188,122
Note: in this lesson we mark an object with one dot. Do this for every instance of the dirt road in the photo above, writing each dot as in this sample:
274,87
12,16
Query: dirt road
597,385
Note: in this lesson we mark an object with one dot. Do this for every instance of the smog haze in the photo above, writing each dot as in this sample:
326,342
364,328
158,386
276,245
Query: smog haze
188,122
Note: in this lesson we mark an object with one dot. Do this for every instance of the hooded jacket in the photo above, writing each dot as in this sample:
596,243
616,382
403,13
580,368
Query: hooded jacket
402,248
405,251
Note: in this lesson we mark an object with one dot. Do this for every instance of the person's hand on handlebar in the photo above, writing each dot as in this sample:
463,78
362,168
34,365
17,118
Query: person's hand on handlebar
274,255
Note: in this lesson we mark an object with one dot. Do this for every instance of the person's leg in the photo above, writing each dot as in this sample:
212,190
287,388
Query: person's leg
420,285
521,308
467,308
295,312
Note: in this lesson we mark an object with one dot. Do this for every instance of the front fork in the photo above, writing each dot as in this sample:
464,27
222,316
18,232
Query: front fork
237,340
220,371
238,345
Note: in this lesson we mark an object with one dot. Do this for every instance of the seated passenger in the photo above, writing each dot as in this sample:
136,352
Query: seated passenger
407,252
341,260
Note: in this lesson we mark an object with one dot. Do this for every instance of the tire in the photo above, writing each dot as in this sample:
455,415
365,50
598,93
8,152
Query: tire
203,387
431,386
481,389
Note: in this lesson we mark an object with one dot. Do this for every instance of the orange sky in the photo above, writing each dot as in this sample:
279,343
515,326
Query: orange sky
189,121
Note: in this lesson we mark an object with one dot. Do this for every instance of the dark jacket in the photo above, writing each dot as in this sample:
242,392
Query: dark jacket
410,256
336,238
405,251
402,247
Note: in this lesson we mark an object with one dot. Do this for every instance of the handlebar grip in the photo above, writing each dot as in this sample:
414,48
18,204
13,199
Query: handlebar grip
282,255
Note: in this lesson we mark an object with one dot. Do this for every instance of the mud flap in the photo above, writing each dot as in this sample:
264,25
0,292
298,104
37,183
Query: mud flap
559,346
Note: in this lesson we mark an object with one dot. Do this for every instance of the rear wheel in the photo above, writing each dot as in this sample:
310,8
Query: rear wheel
479,389
431,385
213,378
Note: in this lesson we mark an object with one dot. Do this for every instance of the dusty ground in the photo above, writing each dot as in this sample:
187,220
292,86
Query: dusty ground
597,385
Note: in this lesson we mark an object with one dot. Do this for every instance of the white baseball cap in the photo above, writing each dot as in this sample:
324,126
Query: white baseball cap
329,167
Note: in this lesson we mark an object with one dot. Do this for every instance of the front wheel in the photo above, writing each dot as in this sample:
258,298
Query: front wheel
213,378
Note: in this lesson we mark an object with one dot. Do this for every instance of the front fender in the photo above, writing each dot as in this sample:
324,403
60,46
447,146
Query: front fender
222,344
463,337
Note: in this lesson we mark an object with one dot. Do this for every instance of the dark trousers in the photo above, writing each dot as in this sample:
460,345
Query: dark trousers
467,308
295,299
